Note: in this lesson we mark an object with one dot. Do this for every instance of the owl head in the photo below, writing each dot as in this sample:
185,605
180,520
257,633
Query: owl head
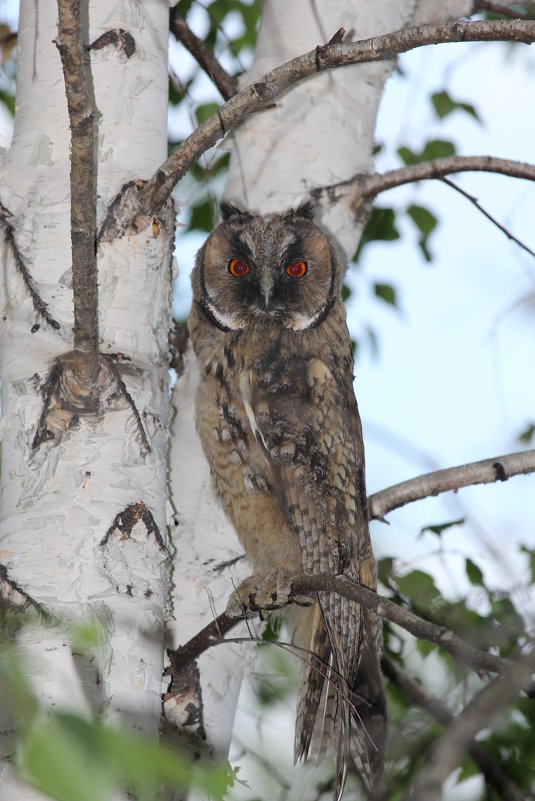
255,268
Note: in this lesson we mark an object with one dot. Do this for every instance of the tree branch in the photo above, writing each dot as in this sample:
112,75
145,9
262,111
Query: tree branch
487,471
366,187
478,714
479,661
475,202
419,696
202,54
83,207
258,95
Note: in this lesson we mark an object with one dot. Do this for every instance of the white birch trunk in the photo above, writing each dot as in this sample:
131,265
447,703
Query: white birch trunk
59,500
321,132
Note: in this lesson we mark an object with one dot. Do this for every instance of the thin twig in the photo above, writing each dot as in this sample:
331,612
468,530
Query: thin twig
83,207
493,220
477,715
497,8
418,695
480,661
487,471
258,96
202,54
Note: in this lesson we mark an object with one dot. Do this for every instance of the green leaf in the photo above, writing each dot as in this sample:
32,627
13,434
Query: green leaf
385,568
386,293
434,149
203,217
444,104
64,761
426,222
424,647
475,575
8,99
206,110
272,629
346,292
380,227
419,587
468,769
527,434
440,527
73,759
530,552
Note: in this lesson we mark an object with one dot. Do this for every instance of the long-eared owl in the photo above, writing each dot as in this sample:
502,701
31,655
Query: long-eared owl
279,424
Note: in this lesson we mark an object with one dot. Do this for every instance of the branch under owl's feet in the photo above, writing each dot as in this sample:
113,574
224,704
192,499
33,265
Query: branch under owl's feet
484,472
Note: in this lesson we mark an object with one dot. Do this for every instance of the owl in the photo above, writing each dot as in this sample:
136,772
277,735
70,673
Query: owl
279,424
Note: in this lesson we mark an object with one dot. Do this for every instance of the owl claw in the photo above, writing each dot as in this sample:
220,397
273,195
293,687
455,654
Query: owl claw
265,593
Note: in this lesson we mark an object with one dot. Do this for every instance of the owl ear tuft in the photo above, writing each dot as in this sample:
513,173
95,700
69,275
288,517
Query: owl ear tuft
305,210
229,210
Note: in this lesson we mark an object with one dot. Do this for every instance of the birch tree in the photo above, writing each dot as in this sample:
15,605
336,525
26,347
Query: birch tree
93,528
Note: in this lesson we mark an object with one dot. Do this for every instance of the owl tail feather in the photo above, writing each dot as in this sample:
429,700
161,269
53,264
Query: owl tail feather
340,713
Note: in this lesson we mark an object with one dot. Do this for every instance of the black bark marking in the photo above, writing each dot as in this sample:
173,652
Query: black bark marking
126,520
117,36
9,589
501,475
38,303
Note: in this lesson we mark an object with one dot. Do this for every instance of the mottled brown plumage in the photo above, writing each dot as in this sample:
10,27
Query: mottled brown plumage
279,424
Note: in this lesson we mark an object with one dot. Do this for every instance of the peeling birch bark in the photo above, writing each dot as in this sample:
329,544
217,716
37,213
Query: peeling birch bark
60,498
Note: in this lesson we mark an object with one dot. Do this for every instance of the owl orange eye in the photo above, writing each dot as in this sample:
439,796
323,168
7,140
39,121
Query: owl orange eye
297,269
238,268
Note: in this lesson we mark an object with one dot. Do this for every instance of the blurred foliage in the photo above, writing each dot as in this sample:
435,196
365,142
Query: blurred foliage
72,758
488,620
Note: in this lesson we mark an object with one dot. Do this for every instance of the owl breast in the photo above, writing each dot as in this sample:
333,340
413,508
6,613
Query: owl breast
241,477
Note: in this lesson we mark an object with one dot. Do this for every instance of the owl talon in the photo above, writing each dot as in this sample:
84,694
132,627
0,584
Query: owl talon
264,594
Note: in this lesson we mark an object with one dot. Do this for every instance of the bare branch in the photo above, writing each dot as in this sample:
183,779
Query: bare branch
258,95
83,207
202,54
379,504
368,186
212,634
493,220
480,661
487,471
418,695
479,713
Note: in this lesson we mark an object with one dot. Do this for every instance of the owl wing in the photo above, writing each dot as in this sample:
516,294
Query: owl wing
307,425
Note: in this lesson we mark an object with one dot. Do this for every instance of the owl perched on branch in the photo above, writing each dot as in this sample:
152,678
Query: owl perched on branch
279,424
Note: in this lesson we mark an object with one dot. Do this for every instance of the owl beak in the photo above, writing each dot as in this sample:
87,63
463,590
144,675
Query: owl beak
266,288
